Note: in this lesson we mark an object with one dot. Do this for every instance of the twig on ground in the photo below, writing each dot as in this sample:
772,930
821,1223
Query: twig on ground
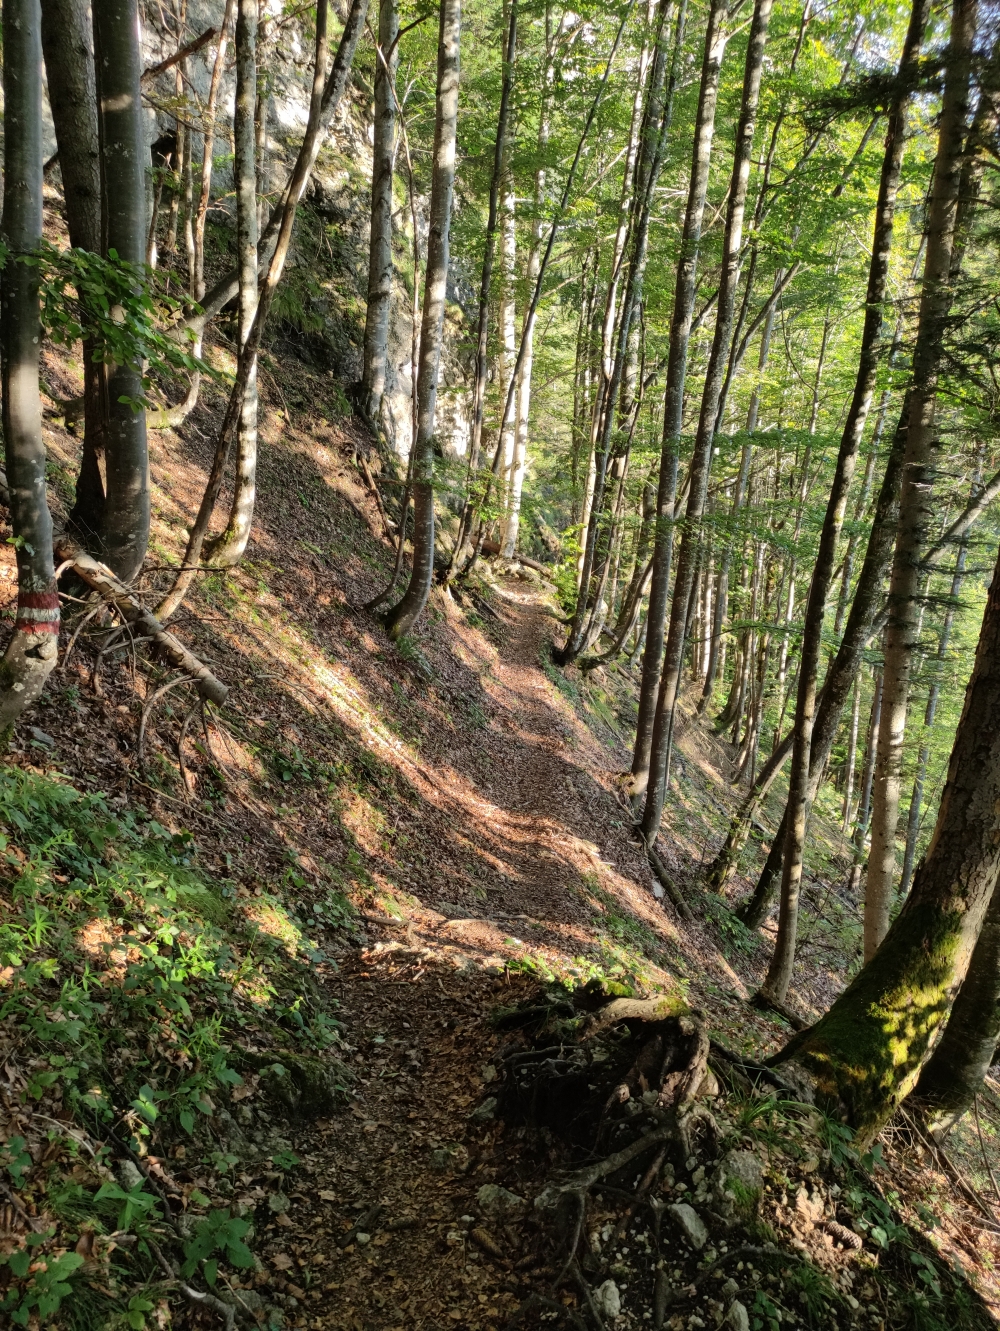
669,886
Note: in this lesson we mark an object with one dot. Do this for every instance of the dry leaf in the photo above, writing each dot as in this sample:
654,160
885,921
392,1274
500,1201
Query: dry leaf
282,1261
327,1195
284,1220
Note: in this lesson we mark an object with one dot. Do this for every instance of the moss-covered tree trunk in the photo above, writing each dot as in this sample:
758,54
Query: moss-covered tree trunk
865,1054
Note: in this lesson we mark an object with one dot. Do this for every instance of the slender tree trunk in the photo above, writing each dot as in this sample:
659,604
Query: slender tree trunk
208,149
852,756
227,286
32,649
916,799
485,284
125,533
522,412
326,93
865,1054
673,408
67,39
916,504
229,547
779,974
609,453
376,344
403,616
688,555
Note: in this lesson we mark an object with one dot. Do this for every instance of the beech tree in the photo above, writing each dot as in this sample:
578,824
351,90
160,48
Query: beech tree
403,615
30,653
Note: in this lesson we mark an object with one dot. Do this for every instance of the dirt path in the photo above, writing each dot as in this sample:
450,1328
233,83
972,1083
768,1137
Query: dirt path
417,1137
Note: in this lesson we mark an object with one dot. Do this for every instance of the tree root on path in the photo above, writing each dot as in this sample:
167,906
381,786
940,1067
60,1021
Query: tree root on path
622,1082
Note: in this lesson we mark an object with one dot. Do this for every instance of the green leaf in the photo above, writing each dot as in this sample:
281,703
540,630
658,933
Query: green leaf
239,1255
19,1262
211,1270
187,1120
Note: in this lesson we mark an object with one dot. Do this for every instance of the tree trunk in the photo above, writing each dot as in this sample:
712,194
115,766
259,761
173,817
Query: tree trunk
916,798
229,547
376,344
673,406
852,757
403,616
32,649
689,554
653,130
67,39
916,505
485,284
954,1073
865,1054
125,533
778,978
208,149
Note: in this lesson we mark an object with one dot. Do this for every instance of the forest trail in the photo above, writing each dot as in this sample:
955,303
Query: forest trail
418,1138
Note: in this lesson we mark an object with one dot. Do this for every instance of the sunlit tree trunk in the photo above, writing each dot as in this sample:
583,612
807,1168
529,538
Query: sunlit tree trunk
916,503
865,1054
404,615
689,552
376,344
680,334
779,973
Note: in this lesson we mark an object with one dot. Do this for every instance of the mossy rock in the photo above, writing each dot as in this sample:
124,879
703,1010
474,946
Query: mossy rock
306,1085
739,1186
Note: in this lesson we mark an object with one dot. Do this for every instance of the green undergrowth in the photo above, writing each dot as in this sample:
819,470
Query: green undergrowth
141,1000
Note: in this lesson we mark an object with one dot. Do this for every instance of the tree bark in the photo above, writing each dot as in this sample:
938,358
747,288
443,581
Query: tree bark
689,553
403,616
654,129
229,547
778,978
485,284
673,403
125,530
208,149
376,343
915,504
954,1074
67,41
865,1054
32,649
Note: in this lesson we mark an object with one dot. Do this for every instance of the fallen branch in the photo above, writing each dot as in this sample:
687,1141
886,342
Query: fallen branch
669,886
99,577
192,46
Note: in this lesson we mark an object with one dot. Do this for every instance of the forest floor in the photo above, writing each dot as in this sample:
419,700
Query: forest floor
397,844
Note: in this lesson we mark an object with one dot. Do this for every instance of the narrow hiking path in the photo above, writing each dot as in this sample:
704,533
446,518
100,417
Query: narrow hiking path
555,884
418,1138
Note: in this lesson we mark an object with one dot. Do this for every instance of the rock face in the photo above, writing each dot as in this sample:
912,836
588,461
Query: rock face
690,1224
739,1186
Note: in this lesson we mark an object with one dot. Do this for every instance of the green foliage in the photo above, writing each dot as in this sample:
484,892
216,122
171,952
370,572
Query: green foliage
219,1233
110,301
111,926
